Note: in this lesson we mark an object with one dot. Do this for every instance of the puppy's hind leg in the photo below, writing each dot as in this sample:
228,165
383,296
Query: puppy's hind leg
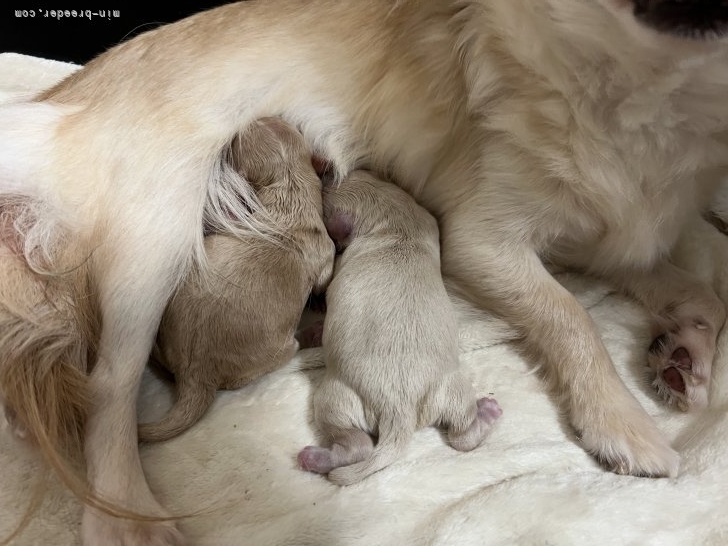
336,409
348,446
506,276
136,271
468,421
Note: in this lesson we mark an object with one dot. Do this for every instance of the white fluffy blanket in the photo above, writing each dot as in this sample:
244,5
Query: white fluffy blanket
530,483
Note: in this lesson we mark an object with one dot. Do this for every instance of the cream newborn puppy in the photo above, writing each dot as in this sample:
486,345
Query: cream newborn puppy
236,320
390,337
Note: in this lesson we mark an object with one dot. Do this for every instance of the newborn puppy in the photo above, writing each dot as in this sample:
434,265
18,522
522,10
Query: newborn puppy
390,337
236,320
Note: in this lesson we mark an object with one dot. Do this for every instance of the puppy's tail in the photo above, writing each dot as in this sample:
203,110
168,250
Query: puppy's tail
395,433
193,400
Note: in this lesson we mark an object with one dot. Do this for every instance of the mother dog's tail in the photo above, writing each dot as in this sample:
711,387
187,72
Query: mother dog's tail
48,326
46,342
47,333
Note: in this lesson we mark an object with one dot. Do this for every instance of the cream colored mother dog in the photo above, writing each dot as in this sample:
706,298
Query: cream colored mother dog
559,129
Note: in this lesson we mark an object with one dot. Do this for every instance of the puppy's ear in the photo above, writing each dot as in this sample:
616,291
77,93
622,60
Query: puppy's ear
340,226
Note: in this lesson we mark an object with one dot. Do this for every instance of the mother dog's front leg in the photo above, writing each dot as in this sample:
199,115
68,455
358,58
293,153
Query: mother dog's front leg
135,270
504,275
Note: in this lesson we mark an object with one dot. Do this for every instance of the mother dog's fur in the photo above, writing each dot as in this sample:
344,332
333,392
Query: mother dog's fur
532,129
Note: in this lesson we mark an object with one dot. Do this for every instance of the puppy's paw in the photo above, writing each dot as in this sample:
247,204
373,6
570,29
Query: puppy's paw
316,459
103,530
488,413
682,361
628,442
489,410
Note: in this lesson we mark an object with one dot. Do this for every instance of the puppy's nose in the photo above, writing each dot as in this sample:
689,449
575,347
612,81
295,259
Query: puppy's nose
698,19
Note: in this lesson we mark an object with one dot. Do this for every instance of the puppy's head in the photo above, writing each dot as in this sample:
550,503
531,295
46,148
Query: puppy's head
267,152
351,209
366,205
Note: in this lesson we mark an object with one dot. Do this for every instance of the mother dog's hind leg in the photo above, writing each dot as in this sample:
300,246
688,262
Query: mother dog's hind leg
688,315
135,272
507,277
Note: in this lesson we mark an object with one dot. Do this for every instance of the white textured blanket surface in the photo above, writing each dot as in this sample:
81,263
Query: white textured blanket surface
530,483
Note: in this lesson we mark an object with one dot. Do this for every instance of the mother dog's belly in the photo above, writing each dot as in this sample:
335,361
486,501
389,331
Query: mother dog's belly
378,98
373,97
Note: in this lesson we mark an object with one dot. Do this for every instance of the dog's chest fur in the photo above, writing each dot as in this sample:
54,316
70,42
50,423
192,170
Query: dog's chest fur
590,155
609,182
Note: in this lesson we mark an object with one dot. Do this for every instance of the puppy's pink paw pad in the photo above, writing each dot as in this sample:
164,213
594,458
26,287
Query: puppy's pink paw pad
315,459
489,410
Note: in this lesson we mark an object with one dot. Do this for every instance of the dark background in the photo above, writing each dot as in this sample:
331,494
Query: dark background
78,40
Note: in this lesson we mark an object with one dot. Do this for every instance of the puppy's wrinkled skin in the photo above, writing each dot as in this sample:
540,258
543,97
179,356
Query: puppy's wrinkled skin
236,321
532,129
390,337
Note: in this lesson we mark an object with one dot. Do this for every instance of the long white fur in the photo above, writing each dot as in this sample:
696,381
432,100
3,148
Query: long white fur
26,134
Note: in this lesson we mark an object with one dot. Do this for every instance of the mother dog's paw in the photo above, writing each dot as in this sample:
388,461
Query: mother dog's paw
104,530
682,362
630,443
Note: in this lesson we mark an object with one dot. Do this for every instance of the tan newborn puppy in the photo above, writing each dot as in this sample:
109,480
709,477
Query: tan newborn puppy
236,321
390,337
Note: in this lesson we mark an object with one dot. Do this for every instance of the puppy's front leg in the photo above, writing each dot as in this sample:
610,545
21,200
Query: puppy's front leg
507,277
133,291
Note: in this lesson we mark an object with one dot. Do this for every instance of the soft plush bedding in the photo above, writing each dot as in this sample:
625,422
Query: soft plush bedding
530,483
